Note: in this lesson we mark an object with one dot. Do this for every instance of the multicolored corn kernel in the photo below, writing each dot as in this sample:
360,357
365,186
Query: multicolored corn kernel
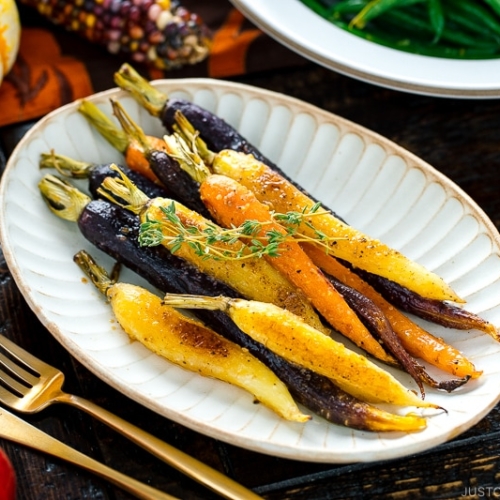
161,33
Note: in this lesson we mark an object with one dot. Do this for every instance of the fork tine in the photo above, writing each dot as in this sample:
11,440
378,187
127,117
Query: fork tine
10,384
22,357
9,399
10,367
27,383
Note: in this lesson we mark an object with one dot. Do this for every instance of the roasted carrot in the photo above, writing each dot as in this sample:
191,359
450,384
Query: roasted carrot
162,165
264,183
361,311
344,241
252,278
231,204
132,150
169,173
442,313
191,162
379,327
386,261
115,231
282,195
417,341
189,343
287,335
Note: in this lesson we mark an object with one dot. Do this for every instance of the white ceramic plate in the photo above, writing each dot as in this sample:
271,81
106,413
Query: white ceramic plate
302,30
377,186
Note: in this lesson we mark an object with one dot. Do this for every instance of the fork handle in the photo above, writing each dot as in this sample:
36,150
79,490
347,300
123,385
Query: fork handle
15,429
188,465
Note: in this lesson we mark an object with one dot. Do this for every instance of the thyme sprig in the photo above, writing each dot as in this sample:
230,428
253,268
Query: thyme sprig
213,242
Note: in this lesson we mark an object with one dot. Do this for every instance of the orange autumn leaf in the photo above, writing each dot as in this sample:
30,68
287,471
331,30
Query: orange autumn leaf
230,46
41,80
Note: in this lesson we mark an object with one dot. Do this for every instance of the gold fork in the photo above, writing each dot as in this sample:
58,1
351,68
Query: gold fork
27,384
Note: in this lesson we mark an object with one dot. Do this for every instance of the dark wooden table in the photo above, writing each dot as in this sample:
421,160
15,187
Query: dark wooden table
461,138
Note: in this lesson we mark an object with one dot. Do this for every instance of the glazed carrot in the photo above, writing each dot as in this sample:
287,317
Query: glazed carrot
360,310
417,341
114,230
188,342
253,278
132,150
191,162
287,335
345,242
442,312
231,204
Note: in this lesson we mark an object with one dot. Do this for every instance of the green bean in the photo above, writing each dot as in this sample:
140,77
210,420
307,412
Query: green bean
462,21
375,8
442,28
407,45
436,18
316,7
476,12
458,22
495,5
348,7
460,38
461,18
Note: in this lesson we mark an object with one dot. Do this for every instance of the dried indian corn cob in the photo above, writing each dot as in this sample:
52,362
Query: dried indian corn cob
161,33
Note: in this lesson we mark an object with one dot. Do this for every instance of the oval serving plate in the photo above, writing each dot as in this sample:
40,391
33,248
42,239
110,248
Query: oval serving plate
305,32
375,185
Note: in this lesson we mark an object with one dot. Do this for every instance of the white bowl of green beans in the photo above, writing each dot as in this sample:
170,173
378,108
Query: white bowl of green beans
438,47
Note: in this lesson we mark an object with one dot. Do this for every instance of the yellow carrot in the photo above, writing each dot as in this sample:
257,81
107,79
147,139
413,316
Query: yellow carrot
345,242
231,204
188,343
252,278
191,345
288,336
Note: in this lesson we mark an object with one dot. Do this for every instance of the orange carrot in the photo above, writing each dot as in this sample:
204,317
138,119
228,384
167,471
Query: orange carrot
417,341
346,242
231,204
136,159
255,278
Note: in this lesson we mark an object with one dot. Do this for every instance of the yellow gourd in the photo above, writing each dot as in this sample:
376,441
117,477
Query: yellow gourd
10,35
